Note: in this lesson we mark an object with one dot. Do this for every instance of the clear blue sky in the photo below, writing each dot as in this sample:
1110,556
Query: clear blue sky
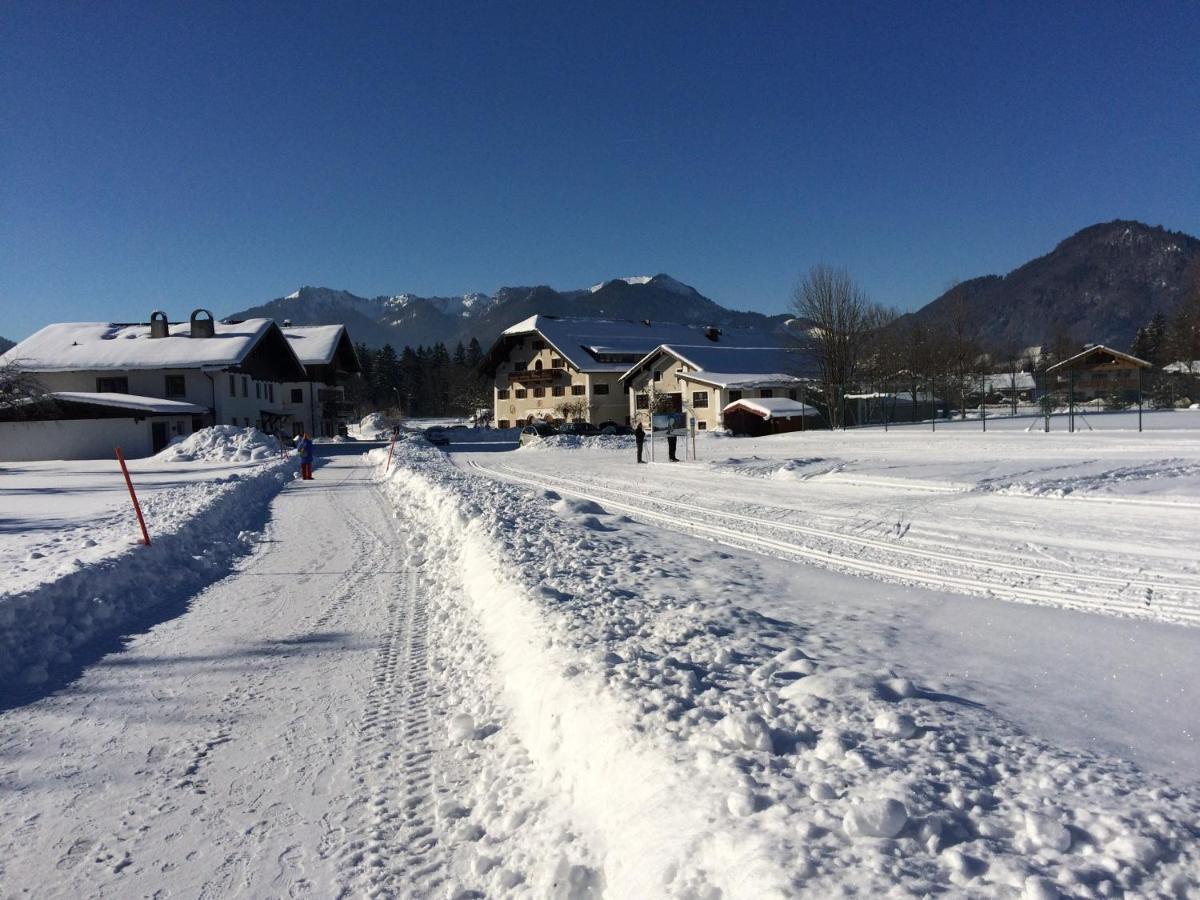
221,154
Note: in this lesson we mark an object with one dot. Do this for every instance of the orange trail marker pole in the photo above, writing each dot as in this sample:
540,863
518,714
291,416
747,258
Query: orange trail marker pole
391,447
137,507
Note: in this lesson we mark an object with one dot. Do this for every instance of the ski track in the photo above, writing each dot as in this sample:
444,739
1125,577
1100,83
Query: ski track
1136,596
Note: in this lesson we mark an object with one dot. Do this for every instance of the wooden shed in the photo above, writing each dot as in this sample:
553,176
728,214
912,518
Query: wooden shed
769,415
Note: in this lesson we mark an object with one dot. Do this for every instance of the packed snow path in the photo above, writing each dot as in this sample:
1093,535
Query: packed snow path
273,741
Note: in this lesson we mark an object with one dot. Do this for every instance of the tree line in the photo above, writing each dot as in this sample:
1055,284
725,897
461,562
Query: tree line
426,381
860,347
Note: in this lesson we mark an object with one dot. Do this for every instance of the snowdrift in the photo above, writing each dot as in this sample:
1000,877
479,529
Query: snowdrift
708,751
223,443
198,529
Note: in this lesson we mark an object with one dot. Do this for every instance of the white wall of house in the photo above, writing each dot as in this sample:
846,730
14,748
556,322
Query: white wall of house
76,439
303,408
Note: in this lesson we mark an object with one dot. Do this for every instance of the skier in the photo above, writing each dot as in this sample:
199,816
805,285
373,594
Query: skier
639,435
305,448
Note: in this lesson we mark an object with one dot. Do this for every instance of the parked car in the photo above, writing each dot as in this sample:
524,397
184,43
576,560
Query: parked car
437,437
536,432
583,429
614,428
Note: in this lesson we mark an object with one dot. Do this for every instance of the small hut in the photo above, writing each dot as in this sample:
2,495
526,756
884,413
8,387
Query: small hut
768,415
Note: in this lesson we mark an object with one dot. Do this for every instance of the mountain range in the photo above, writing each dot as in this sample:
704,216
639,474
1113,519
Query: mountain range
406,319
6,344
1097,286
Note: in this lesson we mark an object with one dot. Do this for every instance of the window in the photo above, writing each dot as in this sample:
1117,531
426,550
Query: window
556,362
539,392
537,365
232,388
702,426
642,401
520,393
699,399
539,345
502,394
297,395
246,390
558,390
271,392
257,390
766,392
176,386
735,396
599,388
658,375
113,385
577,390
503,423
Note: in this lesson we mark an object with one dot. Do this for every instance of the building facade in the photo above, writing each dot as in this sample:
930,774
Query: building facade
317,406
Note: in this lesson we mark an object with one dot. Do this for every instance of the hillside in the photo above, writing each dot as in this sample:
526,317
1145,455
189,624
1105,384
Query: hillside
1099,286
407,319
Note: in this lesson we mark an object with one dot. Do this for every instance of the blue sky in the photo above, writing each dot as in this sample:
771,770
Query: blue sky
222,154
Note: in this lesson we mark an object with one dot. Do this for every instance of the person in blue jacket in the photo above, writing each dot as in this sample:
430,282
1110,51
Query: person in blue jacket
305,448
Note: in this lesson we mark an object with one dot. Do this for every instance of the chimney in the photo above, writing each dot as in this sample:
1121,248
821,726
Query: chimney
287,323
201,327
159,326
712,333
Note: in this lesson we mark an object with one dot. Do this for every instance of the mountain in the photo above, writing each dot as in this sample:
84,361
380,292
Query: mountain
407,319
6,345
1098,286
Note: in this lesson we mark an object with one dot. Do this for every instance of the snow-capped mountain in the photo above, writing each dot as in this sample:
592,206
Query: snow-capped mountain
409,319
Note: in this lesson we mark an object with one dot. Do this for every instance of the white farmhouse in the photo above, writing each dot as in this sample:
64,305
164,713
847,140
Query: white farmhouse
704,379
317,405
164,379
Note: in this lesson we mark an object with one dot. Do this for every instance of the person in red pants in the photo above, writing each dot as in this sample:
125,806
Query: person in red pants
305,449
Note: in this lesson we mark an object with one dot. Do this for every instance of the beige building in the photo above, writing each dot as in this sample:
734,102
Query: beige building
551,368
702,379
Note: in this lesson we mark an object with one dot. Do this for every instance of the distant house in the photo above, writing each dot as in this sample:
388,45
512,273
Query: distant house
215,373
318,404
546,367
704,379
1099,371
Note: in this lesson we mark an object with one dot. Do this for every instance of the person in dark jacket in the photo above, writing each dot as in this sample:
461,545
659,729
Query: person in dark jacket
639,435
671,439
305,448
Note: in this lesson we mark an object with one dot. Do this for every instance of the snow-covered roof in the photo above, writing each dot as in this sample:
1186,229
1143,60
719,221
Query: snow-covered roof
1099,349
772,407
131,401
86,346
1183,367
731,366
315,345
1004,382
606,345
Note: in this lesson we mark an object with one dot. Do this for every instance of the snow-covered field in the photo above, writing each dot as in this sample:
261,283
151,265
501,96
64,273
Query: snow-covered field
870,664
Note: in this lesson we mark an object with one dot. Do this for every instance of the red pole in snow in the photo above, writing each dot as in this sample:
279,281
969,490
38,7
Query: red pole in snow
137,507
391,447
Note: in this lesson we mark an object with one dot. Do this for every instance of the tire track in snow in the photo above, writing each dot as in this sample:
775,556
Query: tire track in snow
1138,606
389,846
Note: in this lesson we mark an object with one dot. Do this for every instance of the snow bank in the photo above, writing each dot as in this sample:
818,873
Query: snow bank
223,443
709,751
197,529
582,442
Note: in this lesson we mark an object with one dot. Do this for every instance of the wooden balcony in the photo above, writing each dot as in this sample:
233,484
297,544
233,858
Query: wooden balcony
535,376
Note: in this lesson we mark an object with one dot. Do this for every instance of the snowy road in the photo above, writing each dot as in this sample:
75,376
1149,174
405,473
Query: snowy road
269,742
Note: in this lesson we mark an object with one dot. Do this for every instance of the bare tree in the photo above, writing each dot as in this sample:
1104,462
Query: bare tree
840,313
21,394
